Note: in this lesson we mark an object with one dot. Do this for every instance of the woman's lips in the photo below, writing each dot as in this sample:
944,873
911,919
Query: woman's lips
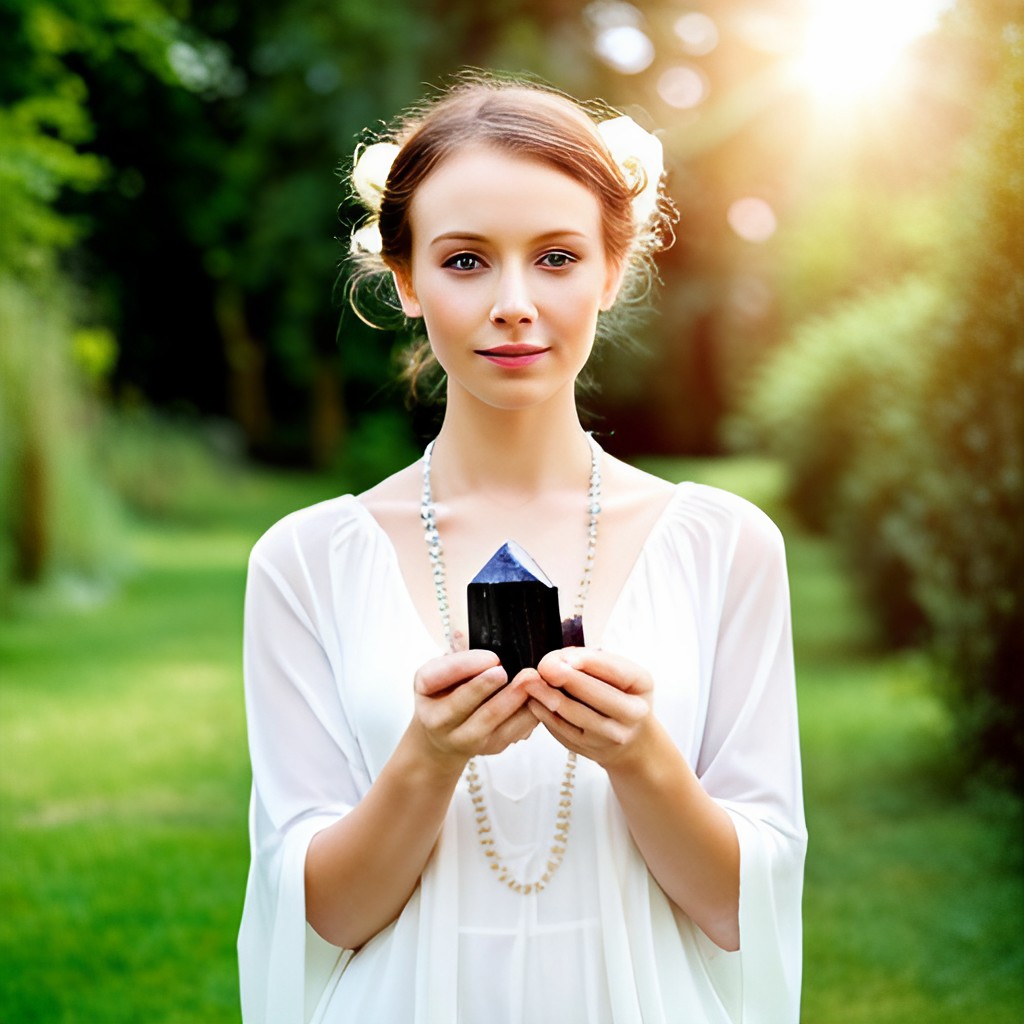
512,355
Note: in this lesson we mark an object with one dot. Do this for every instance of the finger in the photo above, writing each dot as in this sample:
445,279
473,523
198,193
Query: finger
490,718
604,699
585,718
567,734
461,702
620,672
496,705
447,711
516,728
441,674
560,680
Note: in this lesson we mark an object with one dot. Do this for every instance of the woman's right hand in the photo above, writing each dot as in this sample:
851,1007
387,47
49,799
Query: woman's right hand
361,871
464,708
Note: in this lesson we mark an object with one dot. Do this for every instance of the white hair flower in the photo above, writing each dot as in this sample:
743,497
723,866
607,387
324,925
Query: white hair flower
640,157
370,172
367,239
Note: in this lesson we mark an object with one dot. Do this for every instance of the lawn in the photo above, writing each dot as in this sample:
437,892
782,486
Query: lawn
124,787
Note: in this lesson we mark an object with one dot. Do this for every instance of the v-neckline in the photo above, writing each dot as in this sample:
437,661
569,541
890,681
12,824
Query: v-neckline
656,527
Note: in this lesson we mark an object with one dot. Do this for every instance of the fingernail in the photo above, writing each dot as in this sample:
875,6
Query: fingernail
574,659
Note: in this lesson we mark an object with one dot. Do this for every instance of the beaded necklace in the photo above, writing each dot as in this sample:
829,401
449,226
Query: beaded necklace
563,817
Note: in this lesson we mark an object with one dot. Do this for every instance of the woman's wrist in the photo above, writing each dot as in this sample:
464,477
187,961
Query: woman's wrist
423,763
650,758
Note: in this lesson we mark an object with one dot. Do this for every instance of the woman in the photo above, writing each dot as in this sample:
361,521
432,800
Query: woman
614,836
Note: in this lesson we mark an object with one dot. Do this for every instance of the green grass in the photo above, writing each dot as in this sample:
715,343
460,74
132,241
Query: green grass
124,786
124,781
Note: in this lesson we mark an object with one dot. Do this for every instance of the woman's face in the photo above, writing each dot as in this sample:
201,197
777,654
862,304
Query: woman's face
508,270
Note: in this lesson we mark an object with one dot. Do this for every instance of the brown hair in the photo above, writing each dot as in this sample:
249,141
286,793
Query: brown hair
523,119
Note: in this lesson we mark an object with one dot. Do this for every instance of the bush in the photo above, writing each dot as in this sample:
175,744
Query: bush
966,505
900,418
834,405
169,467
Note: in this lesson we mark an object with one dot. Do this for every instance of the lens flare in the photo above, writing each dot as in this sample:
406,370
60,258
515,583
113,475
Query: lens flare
625,48
697,32
852,48
752,219
683,86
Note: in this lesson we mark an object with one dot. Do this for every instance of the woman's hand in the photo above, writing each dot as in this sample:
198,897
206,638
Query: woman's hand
361,871
464,708
595,703
599,705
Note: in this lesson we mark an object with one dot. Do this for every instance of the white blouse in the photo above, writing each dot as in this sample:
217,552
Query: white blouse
332,641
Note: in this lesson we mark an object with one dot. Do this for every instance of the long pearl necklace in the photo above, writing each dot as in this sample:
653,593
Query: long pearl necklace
563,817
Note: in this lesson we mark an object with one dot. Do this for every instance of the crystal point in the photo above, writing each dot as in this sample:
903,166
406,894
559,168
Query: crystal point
511,564
513,610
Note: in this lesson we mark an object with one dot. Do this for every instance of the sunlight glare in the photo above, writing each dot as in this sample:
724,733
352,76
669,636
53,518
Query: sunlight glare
851,48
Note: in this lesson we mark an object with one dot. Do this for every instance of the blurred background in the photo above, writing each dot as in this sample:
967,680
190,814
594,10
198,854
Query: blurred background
838,335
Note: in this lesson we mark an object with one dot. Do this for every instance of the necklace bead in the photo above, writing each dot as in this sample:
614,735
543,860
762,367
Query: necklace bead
563,817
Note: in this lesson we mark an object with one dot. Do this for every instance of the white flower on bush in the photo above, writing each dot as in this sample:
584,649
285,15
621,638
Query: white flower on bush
640,156
370,173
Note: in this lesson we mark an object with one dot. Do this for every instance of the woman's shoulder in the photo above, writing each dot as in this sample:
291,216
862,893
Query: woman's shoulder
309,531
686,500
715,517
305,526
726,523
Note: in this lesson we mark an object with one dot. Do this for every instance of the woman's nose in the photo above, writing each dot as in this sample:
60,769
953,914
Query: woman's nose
513,304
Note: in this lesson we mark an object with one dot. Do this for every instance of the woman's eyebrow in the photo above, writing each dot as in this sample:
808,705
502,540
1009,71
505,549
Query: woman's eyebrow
471,236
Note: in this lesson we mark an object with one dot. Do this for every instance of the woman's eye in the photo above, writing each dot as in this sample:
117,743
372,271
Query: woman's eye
462,261
557,260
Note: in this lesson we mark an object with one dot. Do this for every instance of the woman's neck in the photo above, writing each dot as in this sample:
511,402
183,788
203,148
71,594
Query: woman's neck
516,454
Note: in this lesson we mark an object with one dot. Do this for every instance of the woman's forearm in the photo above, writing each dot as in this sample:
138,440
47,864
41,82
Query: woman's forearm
688,841
361,871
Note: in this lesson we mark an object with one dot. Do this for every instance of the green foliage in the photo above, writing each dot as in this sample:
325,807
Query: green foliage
167,468
848,237
39,136
965,506
848,374
57,518
900,417
45,120
380,445
839,405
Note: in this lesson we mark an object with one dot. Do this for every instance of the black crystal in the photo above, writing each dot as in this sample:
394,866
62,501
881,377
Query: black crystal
513,610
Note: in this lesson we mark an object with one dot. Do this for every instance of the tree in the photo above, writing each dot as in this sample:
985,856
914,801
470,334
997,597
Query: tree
45,130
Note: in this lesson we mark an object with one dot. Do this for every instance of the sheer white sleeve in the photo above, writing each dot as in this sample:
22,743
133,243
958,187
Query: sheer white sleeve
750,763
306,771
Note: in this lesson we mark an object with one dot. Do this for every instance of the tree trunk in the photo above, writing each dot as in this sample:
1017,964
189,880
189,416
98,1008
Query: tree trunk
246,367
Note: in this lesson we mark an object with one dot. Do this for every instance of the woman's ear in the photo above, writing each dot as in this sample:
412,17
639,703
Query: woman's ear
612,284
406,294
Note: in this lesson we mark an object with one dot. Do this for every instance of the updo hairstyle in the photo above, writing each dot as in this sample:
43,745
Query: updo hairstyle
525,120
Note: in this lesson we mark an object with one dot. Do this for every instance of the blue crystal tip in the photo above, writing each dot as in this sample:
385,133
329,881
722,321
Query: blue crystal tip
511,564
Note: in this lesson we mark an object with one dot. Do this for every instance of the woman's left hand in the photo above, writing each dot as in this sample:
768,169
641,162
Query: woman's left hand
595,703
